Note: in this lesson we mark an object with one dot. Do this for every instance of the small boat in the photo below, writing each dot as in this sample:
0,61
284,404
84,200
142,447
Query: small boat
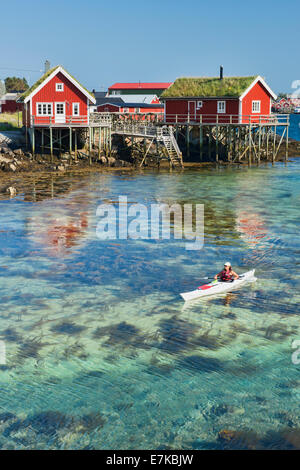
218,287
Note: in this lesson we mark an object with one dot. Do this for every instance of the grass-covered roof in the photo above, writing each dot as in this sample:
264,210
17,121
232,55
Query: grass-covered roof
208,86
43,77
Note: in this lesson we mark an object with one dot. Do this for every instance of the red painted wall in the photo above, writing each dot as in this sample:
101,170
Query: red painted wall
258,92
11,106
48,94
208,110
108,108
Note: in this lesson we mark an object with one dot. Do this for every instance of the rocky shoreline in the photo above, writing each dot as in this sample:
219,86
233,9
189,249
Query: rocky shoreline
16,159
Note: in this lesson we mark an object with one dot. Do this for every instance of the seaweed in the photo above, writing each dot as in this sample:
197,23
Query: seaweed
197,363
68,328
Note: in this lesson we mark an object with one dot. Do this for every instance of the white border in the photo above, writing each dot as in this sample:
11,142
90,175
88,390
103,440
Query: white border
65,73
44,102
261,80
255,112
218,111
76,103
59,83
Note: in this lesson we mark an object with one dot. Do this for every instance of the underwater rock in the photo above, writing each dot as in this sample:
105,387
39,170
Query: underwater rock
176,334
6,416
10,335
68,328
90,422
239,440
201,363
48,422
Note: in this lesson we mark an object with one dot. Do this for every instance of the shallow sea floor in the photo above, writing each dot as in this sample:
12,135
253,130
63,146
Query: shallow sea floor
102,353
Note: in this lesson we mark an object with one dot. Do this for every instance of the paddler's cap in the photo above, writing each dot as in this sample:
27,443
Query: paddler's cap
227,264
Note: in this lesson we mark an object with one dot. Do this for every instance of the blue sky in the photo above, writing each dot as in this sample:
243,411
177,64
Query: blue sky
104,42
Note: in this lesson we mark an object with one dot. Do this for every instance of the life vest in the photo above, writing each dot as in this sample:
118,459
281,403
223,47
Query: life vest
226,276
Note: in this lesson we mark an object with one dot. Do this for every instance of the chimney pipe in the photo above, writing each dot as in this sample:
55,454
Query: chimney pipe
221,72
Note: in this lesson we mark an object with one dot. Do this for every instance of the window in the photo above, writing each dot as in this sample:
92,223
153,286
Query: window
255,106
75,109
60,108
59,87
125,110
199,104
221,107
137,110
44,109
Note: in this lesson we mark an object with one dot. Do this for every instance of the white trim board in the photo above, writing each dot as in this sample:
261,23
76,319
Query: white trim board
68,76
261,80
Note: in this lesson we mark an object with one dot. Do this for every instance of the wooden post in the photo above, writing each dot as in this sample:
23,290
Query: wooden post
201,141
70,142
33,141
75,142
249,154
268,135
99,143
60,143
188,140
90,145
51,144
217,139
42,140
287,143
259,141
209,143
274,144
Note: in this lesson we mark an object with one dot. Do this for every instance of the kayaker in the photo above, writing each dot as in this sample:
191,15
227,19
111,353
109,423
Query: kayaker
227,274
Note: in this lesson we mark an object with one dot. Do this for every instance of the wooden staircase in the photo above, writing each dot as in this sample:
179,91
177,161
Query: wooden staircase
171,149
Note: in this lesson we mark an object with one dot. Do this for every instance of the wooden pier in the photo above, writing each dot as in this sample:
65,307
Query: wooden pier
231,138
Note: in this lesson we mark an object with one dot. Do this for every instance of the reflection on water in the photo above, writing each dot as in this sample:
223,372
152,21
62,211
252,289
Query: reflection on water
102,352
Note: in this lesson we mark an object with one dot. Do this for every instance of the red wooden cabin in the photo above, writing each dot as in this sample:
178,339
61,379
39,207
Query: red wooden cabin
218,100
56,99
8,103
152,88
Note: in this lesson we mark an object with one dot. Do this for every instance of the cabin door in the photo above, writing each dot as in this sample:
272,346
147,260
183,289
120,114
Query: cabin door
60,113
192,110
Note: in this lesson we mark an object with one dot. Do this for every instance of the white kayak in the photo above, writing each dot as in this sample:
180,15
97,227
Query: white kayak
218,287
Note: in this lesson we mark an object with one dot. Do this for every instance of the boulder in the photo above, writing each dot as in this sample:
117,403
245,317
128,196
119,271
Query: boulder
18,152
111,161
12,191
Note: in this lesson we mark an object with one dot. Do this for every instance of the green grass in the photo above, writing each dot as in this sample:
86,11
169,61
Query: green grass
10,121
208,86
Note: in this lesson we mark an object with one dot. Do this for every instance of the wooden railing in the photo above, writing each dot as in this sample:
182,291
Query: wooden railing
59,120
214,119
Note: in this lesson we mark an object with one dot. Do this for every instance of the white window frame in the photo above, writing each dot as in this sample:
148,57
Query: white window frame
221,107
57,87
137,110
73,107
44,114
199,104
254,104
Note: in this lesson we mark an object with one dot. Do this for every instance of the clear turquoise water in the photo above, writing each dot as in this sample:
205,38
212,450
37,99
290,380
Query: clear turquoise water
102,352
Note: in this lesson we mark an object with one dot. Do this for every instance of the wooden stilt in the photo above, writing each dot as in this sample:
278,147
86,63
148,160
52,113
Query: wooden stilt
51,144
287,143
274,144
42,141
217,141
60,148
75,143
33,141
201,142
188,141
70,140
249,152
